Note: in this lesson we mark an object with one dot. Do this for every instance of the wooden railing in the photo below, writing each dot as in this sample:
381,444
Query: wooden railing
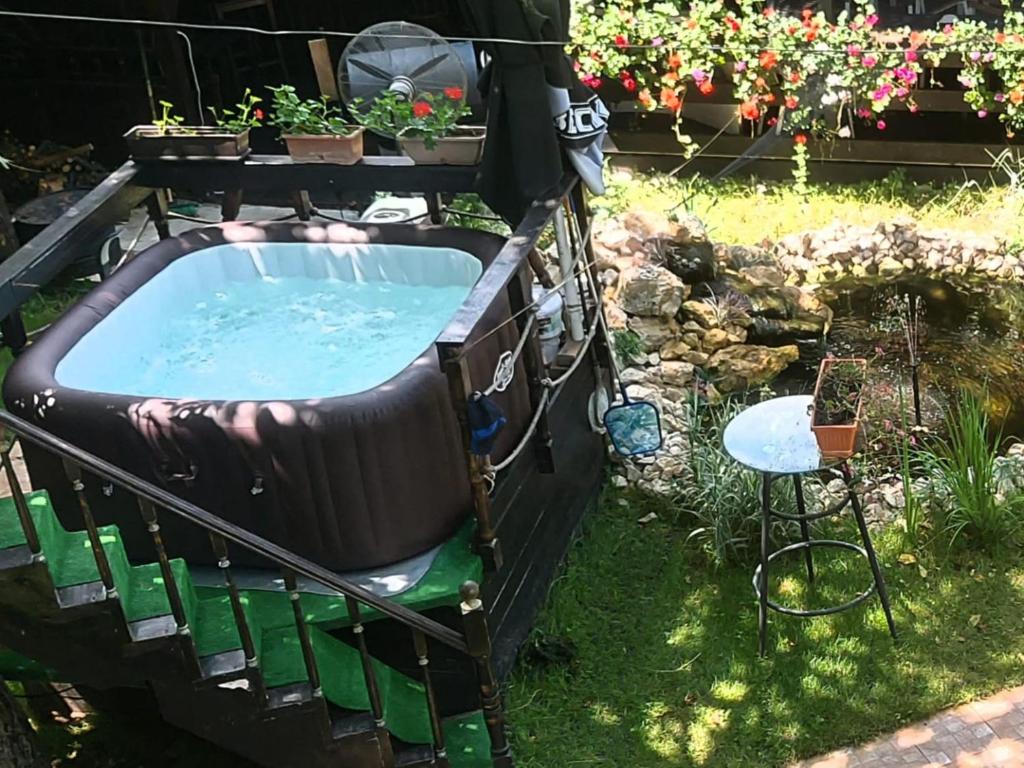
474,640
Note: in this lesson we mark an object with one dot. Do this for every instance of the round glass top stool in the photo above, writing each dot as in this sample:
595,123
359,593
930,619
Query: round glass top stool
775,439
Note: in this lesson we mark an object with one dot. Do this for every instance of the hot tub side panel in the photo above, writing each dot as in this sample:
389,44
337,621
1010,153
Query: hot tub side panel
350,482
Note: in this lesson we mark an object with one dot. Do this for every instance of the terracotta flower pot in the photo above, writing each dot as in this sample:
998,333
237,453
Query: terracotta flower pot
344,149
464,147
836,441
183,142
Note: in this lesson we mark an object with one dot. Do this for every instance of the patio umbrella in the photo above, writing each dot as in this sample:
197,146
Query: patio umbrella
538,111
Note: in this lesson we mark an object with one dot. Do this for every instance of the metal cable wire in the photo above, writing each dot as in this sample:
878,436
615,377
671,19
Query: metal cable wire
316,33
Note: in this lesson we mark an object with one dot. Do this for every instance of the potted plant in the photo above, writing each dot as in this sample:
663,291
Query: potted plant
314,131
426,127
836,409
168,139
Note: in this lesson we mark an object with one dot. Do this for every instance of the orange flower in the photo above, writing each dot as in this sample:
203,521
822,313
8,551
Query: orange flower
791,102
769,99
691,24
800,139
670,99
421,109
1000,37
1016,96
675,61
670,78
644,97
749,110
760,83
768,59
811,34
706,87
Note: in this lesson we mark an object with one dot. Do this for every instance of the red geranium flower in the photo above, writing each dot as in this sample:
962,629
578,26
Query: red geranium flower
732,23
257,113
768,59
749,110
800,139
791,102
675,61
621,41
421,109
453,92
706,87
794,77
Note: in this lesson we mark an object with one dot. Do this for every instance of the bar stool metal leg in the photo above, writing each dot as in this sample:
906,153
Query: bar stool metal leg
762,587
801,508
858,513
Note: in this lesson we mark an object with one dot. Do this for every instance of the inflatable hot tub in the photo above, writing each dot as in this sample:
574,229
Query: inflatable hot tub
283,377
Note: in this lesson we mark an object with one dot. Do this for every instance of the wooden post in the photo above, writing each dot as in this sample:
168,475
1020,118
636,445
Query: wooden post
156,204
321,56
459,388
478,638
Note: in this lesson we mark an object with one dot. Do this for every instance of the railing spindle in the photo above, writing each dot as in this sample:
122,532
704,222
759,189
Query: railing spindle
308,656
478,638
220,549
28,525
440,752
369,675
74,473
148,511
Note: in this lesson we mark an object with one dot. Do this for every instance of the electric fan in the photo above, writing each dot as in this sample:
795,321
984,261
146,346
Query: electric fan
398,56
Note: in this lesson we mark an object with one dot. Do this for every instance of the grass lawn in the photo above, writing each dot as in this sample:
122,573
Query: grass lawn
646,656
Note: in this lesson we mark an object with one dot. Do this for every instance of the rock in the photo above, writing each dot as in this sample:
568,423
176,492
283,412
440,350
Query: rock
630,376
674,350
654,332
676,374
698,359
619,481
700,312
690,229
691,340
742,366
717,338
693,263
650,291
763,277
614,316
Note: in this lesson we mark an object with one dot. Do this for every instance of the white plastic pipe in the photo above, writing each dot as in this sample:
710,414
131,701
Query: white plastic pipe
573,305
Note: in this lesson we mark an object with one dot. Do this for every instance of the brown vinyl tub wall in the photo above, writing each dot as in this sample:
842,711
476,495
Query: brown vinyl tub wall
350,482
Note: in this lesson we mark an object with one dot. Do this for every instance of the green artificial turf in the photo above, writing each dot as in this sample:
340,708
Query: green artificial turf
645,656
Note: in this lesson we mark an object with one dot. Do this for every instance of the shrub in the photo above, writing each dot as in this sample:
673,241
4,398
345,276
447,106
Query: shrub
722,496
965,501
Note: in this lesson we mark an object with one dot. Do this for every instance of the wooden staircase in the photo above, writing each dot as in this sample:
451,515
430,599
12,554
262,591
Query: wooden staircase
291,695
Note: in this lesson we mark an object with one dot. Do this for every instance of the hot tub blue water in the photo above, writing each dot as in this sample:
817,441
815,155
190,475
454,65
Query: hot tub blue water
274,321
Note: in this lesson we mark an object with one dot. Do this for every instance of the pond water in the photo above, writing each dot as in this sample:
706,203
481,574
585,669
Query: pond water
970,337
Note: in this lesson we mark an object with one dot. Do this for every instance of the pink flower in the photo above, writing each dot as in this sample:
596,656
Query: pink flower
974,56
741,66
881,125
698,75
869,61
1000,97
657,41
863,112
853,50
910,55
982,113
989,56
871,20
948,29
912,107
902,92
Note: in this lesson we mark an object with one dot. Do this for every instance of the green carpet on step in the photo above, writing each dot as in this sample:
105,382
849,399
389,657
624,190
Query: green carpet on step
468,744
11,534
341,675
455,564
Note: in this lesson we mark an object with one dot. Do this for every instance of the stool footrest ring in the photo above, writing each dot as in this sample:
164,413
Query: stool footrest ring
815,611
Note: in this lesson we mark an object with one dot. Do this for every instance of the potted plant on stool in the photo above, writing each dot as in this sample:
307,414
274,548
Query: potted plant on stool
168,139
426,127
313,131
836,410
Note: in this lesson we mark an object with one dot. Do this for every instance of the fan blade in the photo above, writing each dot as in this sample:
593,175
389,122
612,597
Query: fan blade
426,66
371,69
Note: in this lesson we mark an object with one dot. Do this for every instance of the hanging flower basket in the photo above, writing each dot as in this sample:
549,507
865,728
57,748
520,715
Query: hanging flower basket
464,146
837,405
183,142
342,149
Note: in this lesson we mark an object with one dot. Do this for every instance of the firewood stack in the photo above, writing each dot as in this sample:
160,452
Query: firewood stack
44,168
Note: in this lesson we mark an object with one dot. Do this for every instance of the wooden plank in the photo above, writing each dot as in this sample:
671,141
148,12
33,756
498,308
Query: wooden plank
41,259
280,173
324,68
